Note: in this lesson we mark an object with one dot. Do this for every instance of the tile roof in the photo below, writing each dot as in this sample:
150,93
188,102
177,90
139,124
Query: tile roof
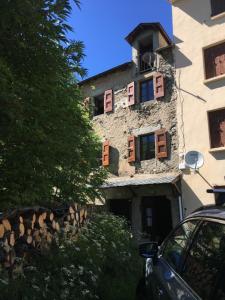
144,179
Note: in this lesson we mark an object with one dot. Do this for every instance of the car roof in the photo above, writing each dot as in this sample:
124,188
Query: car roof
210,211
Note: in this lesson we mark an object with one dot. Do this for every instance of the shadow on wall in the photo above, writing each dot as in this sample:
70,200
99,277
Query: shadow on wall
218,155
195,9
114,161
191,198
215,84
181,61
201,13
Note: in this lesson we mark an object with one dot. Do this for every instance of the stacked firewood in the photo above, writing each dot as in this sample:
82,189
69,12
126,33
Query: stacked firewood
33,229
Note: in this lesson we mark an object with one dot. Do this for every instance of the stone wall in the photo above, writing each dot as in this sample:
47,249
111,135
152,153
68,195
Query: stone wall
141,118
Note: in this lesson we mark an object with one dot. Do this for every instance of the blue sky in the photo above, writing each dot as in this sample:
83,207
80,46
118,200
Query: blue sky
103,24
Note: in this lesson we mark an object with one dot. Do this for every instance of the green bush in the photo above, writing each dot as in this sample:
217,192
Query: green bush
102,263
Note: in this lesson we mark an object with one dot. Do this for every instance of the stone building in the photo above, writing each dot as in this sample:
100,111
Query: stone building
133,109
199,35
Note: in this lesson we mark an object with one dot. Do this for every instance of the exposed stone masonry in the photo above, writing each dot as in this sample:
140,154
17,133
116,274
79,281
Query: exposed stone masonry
141,118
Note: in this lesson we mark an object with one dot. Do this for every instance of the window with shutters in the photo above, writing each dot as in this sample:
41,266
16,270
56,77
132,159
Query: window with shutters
147,146
217,128
99,105
214,58
146,90
217,6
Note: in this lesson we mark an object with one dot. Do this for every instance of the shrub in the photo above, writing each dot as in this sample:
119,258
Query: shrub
102,263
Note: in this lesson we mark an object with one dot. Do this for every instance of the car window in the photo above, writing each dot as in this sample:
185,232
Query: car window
177,242
204,259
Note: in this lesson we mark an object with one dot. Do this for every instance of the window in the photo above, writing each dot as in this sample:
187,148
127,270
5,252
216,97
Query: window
218,6
204,260
147,146
214,60
99,157
146,90
176,244
99,105
217,128
146,56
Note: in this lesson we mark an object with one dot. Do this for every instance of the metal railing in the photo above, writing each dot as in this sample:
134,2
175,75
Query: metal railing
145,66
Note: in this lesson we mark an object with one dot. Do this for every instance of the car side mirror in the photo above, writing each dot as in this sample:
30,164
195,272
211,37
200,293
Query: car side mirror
148,250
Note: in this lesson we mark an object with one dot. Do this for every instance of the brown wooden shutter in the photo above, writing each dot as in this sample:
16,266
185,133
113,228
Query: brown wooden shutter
161,143
131,93
131,149
159,85
108,101
105,153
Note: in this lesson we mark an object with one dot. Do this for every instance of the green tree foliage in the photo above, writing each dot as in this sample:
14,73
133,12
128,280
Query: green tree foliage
103,263
47,147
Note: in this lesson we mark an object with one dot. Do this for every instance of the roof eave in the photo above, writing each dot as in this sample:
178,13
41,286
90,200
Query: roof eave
121,67
155,26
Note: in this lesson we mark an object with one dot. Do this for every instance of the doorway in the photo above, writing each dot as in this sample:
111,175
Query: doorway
156,217
121,208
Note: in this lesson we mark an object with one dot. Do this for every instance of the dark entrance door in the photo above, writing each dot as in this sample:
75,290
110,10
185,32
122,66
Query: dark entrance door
156,217
121,208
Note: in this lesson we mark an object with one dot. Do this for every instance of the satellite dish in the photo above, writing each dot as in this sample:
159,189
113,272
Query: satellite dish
194,160
148,58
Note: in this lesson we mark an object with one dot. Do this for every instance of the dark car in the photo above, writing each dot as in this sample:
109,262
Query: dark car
190,264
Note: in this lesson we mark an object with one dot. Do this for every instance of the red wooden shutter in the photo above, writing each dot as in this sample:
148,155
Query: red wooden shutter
159,85
131,93
161,143
105,153
131,149
220,64
108,101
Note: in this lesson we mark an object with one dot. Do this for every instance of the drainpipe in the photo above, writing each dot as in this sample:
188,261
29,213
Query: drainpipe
180,208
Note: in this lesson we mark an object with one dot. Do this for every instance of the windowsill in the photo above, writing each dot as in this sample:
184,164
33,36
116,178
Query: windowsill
153,69
215,17
213,79
143,160
147,102
219,149
95,117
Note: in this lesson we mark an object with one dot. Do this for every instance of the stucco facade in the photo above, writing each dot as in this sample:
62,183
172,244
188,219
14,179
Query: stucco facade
137,120
194,30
